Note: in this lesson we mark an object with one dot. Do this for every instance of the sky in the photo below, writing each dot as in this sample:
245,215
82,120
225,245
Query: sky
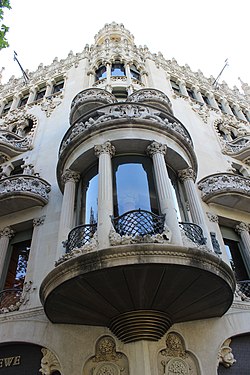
202,34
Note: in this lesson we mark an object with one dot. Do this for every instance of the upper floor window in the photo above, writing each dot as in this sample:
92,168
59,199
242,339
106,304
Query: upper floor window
245,114
23,101
175,86
117,69
57,87
221,106
101,73
40,93
231,106
89,197
7,107
205,98
191,93
135,73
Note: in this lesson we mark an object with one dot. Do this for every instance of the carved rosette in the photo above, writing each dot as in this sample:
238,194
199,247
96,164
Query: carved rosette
70,176
49,362
106,361
106,148
186,174
156,148
175,359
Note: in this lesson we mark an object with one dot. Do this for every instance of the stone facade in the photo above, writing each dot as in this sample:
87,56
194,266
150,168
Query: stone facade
100,275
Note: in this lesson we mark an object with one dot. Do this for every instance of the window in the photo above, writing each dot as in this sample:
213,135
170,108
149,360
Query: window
191,93
57,87
117,70
101,73
40,93
7,106
205,98
245,114
175,86
133,184
233,109
17,167
23,101
89,197
220,105
135,73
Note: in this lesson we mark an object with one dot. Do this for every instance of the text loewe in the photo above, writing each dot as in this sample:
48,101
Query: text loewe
10,361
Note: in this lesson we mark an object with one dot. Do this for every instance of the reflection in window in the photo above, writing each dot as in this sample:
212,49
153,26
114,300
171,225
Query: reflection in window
89,213
101,73
117,70
133,185
135,73
235,257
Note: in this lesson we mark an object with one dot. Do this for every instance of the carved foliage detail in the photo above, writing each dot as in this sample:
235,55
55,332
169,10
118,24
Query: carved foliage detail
226,357
175,359
49,362
106,361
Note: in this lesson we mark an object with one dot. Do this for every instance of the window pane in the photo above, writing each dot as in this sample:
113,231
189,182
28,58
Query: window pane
133,185
117,70
91,201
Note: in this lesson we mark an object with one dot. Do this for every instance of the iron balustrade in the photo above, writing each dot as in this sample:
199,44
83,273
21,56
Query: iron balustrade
244,286
9,297
193,232
138,223
80,236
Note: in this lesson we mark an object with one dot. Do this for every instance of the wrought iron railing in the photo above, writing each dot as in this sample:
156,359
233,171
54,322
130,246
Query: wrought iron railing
9,297
80,236
193,232
244,286
138,223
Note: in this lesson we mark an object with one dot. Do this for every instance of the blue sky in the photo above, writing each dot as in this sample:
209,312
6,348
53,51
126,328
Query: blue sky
200,34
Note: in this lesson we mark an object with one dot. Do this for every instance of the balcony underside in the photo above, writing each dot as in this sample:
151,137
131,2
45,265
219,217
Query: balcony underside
19,201
233,200
176,283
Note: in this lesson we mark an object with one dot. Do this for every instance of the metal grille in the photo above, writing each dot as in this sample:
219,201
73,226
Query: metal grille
194,233
9,297
79,236
245,287
138,223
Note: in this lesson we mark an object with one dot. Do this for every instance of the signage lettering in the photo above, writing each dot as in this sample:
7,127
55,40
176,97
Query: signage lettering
10,361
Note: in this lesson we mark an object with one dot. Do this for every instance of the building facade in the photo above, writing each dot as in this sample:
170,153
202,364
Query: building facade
124,204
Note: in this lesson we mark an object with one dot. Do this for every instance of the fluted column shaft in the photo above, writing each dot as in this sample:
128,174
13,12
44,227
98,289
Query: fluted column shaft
5,235
187,177
37,222
164,191
70,179
105,192
243,230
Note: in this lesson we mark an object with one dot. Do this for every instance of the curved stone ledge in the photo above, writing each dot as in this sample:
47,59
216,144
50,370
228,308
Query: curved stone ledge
239,149
21,192
226,189
98,287
11,144
152,97
87,100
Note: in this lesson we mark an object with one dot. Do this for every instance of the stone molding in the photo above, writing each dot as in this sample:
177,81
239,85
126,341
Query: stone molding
223,183
105,148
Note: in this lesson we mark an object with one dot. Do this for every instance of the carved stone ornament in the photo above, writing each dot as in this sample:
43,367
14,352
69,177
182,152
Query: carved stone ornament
106,361
116,239
186,174
21,298
156,148
202,110
39,221
7,232
242,227
226,357
70,176
49,362
212,217
175,359
106,148
49,104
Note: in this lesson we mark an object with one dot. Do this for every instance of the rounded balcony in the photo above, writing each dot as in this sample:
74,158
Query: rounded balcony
153,97
19,192
88,100
141,284
12,144
226,189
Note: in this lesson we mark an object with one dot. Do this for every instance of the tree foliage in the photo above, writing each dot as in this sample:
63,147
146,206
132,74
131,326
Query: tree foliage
3,28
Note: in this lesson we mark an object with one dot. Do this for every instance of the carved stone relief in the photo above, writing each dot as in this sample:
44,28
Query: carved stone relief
175,359
225,356
106,361
49,362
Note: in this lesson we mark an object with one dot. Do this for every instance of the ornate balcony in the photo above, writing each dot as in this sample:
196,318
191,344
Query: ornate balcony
239,148
227,190
11,144
152,97
80,236
244,287
10,299
193,232
19,192
140,287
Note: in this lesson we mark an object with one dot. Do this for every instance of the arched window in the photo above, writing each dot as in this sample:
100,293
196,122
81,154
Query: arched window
117,69
101,73
135,73
134,186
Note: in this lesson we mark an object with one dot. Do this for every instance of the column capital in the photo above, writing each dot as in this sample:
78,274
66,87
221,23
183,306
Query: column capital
212,217
7,232
186,174
156,148
105,148
70,176
242,227
38,221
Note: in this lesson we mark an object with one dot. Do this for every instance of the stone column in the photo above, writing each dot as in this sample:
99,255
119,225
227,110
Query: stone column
243,230
128,75
108,68
187,177
163,186
70,178
198,94
5,235
105,192
183,89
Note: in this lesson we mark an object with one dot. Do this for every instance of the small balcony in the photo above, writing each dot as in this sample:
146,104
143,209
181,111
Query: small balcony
226,189
19,192
12,144
140,287
244,287
10,299
238,148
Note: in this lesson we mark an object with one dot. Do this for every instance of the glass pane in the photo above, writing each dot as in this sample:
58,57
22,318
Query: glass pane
117,70
91,201
101,73
133,185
